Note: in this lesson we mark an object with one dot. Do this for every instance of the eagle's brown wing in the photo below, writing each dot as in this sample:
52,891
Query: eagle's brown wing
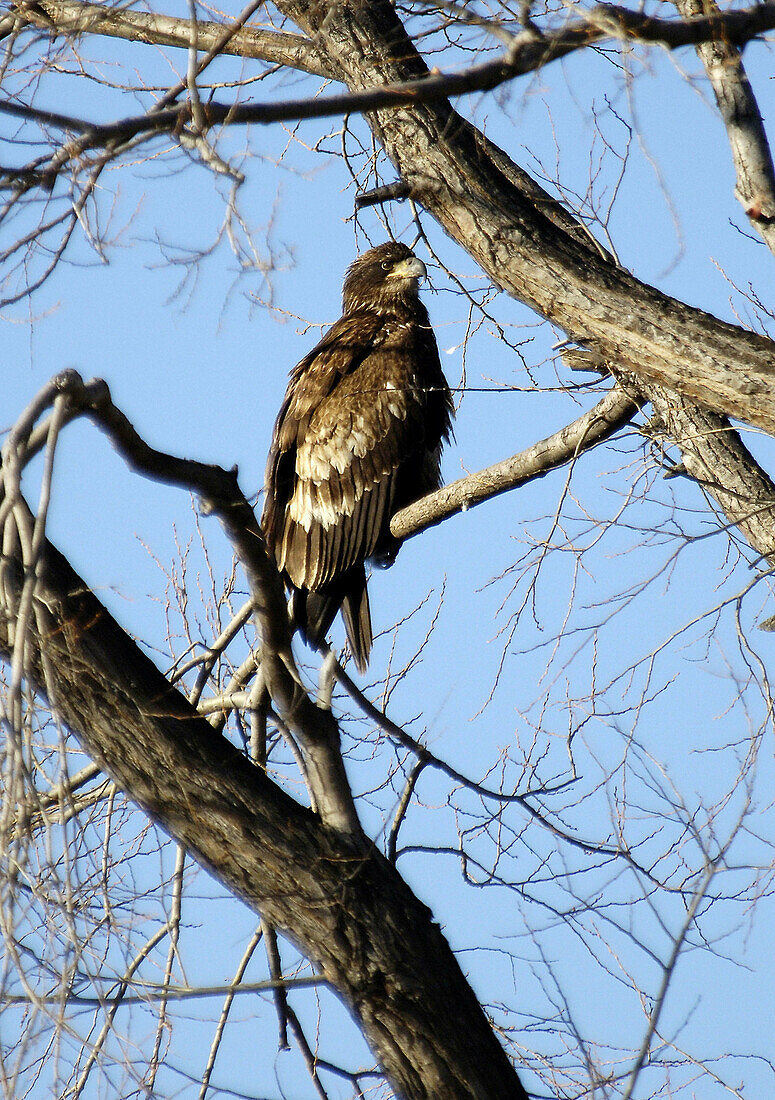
350,425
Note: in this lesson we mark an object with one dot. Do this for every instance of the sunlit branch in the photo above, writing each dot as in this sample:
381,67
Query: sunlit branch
173,927
715,457
70,806
205,660
73,17
228,1001
610,414
751,154
147,992
508,225
222,704
390,192
526,51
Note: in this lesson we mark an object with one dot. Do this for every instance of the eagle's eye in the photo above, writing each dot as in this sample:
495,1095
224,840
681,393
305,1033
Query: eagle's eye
386,265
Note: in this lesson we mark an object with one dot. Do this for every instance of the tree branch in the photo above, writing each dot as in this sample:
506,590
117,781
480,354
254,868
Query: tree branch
610,414
526,52
313,726
716,458
75,18
751,155
459,178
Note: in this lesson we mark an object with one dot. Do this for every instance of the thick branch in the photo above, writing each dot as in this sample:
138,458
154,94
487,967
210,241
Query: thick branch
693,29
459,178
712,452
751,155
331,893
76,18
526,53
219,490
715,456
527,50
347,909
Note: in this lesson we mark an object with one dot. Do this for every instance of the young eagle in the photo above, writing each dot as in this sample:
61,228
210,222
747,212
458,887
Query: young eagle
358,437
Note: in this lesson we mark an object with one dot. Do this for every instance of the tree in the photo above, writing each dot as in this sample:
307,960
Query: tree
623,861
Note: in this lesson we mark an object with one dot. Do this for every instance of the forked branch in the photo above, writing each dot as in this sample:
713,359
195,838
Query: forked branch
313,726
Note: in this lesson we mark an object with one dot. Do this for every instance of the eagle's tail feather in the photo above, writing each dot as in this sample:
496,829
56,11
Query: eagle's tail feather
357,621
314,612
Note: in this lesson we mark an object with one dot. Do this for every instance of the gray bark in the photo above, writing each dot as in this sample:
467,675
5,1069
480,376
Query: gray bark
751,156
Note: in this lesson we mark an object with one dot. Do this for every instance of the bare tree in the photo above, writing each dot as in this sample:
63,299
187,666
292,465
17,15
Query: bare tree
234,753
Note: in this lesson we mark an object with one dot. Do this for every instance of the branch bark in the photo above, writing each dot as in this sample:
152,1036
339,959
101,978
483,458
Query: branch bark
487,204
219,491
751,155
527,51
716,458
715,34
71,17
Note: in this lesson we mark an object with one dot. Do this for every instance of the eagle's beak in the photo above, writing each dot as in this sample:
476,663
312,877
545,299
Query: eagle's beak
410,268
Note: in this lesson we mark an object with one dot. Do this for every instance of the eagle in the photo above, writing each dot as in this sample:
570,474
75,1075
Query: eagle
358,437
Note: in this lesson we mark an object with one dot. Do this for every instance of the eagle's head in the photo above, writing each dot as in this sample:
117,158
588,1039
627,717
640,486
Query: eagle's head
382,278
